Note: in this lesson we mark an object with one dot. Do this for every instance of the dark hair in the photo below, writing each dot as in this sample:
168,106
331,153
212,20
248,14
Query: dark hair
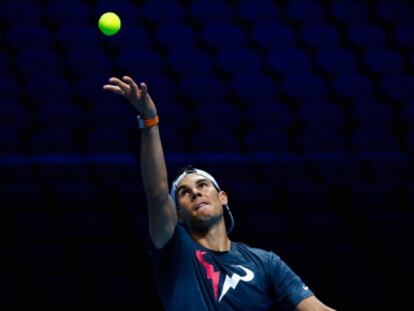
188,169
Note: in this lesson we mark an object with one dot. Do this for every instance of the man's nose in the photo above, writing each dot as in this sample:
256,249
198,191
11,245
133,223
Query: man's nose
196,193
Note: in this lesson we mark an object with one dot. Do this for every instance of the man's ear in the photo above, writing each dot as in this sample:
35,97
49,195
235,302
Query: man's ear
223,198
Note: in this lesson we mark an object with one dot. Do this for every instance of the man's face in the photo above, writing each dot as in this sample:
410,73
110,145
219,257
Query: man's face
200,204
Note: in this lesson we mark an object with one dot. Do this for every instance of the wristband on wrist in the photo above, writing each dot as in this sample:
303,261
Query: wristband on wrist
147,122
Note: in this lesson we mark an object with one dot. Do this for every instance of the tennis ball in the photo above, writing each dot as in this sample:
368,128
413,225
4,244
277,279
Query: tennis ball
109,23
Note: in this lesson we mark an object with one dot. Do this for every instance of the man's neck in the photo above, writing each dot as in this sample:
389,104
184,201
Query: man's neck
216,239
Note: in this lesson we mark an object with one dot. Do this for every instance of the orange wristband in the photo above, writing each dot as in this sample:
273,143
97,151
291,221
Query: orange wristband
147,122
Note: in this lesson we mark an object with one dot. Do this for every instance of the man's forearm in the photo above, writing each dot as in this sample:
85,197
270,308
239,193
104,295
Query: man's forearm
153,168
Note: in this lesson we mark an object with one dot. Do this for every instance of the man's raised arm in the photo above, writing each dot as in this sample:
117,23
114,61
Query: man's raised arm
161,210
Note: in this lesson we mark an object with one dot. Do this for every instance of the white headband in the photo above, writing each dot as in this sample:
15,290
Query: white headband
194,171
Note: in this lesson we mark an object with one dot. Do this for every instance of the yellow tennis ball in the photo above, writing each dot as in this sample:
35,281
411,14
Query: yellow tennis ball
109,23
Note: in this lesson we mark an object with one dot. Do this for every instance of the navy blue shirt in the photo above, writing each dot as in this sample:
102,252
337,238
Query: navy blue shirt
191,277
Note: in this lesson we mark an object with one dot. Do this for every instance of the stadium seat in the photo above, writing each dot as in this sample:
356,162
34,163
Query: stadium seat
304,86
81,62
112,140
304,196
71,37
54,141
130,12
255,12
73,197
350,12
353,86
271,115
404,36
337,60
8,88
24,12
321,140
162,89
409,141
324,226
384,61
170,112
266,223
66,12
288,60
14,116
160,12
211,11
336,168
366,36
189,61
114,175
394,12
326,116
320,36
222,115
10,142
38,62
4,64
264,88
60,115
305,11
15,174
223,35
374,140
397,87
213,139
371,114
65,174
392,168
267,35
204,88
269,139
24,37
284,169
235,61
88,90
406,115
174,139
112,115
375,197
175,36
141,35
59,89
139,62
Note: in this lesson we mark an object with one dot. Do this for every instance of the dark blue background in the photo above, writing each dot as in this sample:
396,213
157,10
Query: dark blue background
302,110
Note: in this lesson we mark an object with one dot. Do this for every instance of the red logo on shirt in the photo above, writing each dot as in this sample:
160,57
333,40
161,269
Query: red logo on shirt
212,275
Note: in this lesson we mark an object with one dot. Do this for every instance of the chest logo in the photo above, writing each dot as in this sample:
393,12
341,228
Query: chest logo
229,282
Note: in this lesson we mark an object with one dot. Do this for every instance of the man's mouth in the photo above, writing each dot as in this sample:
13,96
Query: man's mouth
200,205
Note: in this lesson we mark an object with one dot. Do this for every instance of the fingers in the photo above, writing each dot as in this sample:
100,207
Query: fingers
131,84
113,88
124,87
144,88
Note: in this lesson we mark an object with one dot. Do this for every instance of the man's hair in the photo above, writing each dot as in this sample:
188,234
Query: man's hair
190,169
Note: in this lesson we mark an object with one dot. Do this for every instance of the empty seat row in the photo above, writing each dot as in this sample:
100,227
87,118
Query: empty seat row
201,11
213,35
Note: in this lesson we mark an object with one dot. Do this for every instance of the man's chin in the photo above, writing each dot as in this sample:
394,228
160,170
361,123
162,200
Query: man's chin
204,223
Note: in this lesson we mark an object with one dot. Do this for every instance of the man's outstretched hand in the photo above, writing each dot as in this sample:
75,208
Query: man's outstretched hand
137,96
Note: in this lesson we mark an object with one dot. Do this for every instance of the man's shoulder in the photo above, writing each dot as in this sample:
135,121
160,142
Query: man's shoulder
254,250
